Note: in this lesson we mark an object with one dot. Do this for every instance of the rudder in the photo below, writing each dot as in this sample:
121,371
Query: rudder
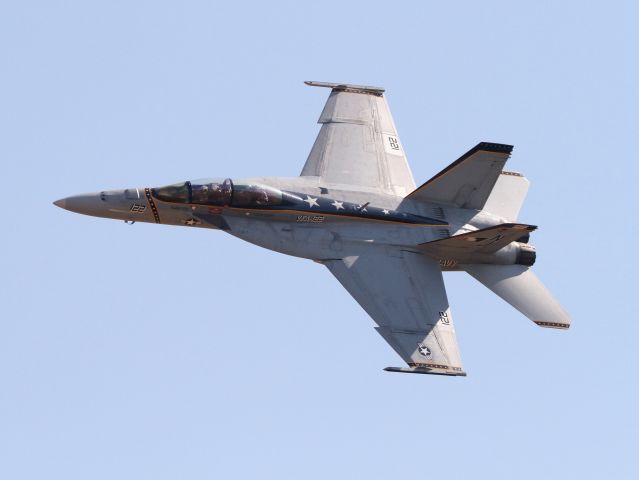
507,196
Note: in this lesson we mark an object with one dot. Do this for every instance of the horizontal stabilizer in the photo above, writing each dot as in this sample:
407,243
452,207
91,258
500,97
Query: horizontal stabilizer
487,240
467,182
520,287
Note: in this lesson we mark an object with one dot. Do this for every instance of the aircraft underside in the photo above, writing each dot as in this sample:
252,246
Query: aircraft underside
355,208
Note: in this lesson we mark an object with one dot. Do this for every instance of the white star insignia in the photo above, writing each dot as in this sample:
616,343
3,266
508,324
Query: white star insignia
338,205
424,351
385,212
191,222
312,202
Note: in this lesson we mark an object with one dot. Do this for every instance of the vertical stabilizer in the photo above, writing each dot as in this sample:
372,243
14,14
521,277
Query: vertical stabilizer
469,180
507,196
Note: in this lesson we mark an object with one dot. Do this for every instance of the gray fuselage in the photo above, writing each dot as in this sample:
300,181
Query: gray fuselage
321,227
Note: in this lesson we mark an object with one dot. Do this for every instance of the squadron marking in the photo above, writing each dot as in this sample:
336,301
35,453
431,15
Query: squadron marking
137,208
310,218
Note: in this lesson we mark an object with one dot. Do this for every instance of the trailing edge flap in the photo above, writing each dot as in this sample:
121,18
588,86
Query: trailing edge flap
519,286
487,240
467,182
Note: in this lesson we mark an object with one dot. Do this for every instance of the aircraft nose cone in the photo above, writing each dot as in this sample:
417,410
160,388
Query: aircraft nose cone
107,204
86,204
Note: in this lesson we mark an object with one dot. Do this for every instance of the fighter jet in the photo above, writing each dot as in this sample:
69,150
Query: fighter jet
355,208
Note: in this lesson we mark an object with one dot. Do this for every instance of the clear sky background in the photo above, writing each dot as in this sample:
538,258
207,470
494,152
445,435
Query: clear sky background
157,352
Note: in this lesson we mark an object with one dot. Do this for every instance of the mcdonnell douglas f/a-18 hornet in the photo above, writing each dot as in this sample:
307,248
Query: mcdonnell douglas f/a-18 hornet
355,209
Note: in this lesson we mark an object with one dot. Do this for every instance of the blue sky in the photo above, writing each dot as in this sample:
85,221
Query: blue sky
159,352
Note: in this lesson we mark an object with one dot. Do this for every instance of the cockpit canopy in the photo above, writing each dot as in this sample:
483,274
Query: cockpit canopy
221,193
205,192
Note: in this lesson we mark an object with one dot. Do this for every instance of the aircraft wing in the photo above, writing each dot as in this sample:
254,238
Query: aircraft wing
358,143
404,293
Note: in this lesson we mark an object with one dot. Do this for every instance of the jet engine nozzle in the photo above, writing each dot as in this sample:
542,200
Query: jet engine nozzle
515,253
526,255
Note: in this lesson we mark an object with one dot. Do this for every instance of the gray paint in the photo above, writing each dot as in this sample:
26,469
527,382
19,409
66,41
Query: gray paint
392,269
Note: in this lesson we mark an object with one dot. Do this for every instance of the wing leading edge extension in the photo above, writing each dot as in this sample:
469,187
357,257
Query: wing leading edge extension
358,143
404,294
